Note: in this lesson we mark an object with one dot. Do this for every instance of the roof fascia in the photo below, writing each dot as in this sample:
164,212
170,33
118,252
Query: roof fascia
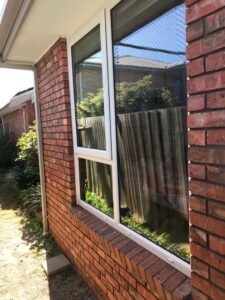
18,21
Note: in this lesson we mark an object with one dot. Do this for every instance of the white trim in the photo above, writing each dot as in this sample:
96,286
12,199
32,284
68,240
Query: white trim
93,153
26,5
115,184
16,65
98,156
40,155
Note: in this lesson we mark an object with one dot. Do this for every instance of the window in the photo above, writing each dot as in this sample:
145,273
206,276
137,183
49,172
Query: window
150,100
87,60
134,95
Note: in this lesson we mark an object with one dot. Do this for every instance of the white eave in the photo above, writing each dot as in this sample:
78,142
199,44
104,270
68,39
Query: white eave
12,17
36,24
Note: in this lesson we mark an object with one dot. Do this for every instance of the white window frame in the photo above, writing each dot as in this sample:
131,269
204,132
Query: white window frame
99,156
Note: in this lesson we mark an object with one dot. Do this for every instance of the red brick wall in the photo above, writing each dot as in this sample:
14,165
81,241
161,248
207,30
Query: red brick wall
19,120
206,104
113,265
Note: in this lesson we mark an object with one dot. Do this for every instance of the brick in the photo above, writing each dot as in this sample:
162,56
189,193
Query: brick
183,291
206,287
19,120
215,21
206,45
130,279
195,30
134,293
216,99
207,119
216,174
197,204
198,235
146,263
196,102
172,283
217,210
215,61
206,155
197,295
211,258
151,272
217,244
145,293
217,278
216,137
207,223
197,171
207,82
195,67
190,2
208,190
121,280
199,267
197,137
161,277
203,8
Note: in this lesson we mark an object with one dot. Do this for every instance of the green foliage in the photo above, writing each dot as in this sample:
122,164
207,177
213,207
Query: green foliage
31,199
27,158
99,203
92,105
131,97
162,239
7,149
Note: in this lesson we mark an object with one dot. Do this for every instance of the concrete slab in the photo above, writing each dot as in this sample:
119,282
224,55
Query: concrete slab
55,264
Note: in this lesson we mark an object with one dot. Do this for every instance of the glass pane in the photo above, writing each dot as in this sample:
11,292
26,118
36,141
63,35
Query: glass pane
88,87
151,112
96,185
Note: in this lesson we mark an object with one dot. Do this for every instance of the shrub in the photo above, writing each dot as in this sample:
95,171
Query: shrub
131,97
7,149
31,199
27,158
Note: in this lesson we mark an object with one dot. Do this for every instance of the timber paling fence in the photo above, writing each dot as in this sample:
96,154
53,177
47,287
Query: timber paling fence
152,160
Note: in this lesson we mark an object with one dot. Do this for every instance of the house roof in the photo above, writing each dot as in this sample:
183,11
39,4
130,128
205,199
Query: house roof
17,101
136,62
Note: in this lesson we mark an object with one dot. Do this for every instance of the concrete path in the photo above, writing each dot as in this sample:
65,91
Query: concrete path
21,274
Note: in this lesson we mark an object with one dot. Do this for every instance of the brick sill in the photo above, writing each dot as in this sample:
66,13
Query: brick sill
151,272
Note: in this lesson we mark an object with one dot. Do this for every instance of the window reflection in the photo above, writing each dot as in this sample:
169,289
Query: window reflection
87,63
96,185
150,91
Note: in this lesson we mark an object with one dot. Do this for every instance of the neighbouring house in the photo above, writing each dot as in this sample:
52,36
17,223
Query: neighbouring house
131,122
17,115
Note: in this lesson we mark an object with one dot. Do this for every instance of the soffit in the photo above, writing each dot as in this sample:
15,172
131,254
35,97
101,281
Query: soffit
46,22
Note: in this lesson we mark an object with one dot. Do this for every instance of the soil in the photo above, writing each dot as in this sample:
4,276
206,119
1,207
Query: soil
21,274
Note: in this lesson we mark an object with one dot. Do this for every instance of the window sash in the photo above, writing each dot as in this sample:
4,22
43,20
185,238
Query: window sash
90,152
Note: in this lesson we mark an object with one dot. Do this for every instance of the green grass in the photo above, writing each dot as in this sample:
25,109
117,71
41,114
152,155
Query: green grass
40,242
163,239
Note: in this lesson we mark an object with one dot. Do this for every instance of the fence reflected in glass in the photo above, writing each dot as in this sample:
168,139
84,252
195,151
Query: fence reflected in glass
150,92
